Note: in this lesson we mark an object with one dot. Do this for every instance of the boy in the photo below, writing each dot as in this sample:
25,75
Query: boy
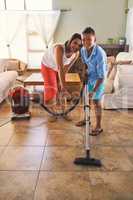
96,61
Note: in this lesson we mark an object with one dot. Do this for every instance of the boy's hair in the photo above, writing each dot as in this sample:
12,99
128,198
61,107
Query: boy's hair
88,30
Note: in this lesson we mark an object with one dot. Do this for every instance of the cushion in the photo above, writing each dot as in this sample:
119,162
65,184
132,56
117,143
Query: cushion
123,81
125,69
2,63
124,62
124,77
109,82
7,79
124,56
12,64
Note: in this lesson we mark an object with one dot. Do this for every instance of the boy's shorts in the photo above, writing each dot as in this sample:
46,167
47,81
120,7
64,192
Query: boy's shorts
99,93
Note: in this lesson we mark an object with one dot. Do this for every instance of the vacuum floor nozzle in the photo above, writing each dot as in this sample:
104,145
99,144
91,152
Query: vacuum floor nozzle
88,162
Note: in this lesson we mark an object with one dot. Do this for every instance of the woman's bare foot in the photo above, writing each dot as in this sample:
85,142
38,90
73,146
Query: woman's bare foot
67,118
81,123
52,119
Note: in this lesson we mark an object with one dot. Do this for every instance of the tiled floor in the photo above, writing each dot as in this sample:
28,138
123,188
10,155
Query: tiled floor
36,158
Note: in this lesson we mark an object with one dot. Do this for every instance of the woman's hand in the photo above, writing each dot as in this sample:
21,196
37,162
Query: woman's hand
63,89
65,93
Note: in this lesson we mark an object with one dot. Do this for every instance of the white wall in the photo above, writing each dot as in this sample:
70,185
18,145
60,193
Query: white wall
130,3
107,17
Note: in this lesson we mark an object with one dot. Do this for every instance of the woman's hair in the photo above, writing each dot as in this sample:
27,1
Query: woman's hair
73,37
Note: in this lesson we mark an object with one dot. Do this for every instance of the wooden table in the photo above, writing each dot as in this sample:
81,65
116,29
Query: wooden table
72,81
34,80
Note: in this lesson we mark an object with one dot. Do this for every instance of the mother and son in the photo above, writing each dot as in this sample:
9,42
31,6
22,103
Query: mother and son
61,56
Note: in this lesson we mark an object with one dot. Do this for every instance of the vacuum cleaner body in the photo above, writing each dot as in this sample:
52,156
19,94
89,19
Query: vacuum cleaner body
20,102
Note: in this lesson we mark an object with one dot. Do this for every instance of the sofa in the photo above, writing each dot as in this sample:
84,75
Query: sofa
13,64
7,80
119,83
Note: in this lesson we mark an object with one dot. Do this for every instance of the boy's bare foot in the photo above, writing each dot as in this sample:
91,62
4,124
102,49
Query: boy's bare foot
96,131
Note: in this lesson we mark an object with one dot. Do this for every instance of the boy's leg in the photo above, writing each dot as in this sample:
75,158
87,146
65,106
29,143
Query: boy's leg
98,109
98,113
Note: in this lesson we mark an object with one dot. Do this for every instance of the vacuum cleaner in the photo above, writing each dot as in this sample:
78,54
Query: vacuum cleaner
87,160
20,101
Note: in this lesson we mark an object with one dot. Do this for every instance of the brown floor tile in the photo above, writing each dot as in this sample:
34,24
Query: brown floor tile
105,138
67,131
6,133
29,139
59,178
63,185
65,140
129,151
126,137
5,110
113,158
1,150
111,185
33,123
4,138
17,185
62,159
21,158
61,124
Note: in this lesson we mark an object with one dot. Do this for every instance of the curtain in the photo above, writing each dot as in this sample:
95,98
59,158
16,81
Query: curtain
129,29
46,24
14,30
11,25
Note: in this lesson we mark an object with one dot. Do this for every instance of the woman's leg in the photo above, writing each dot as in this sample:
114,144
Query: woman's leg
50,86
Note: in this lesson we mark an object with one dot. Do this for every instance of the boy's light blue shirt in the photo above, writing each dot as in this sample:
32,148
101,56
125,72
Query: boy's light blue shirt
96,62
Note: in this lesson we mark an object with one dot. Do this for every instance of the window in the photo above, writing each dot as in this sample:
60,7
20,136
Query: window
28,4
33,41
35,45
2,5
39,4
15,4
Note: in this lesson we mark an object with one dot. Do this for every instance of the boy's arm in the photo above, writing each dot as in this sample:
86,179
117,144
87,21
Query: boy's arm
101,70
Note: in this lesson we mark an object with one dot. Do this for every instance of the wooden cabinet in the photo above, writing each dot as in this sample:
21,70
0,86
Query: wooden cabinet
114,49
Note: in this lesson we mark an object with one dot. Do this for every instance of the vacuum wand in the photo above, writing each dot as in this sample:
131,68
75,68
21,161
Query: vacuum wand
87,160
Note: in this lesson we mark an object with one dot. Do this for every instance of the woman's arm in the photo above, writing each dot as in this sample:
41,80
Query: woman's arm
68,66
59,62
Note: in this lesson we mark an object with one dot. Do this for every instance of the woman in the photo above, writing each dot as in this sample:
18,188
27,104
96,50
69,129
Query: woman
56,60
